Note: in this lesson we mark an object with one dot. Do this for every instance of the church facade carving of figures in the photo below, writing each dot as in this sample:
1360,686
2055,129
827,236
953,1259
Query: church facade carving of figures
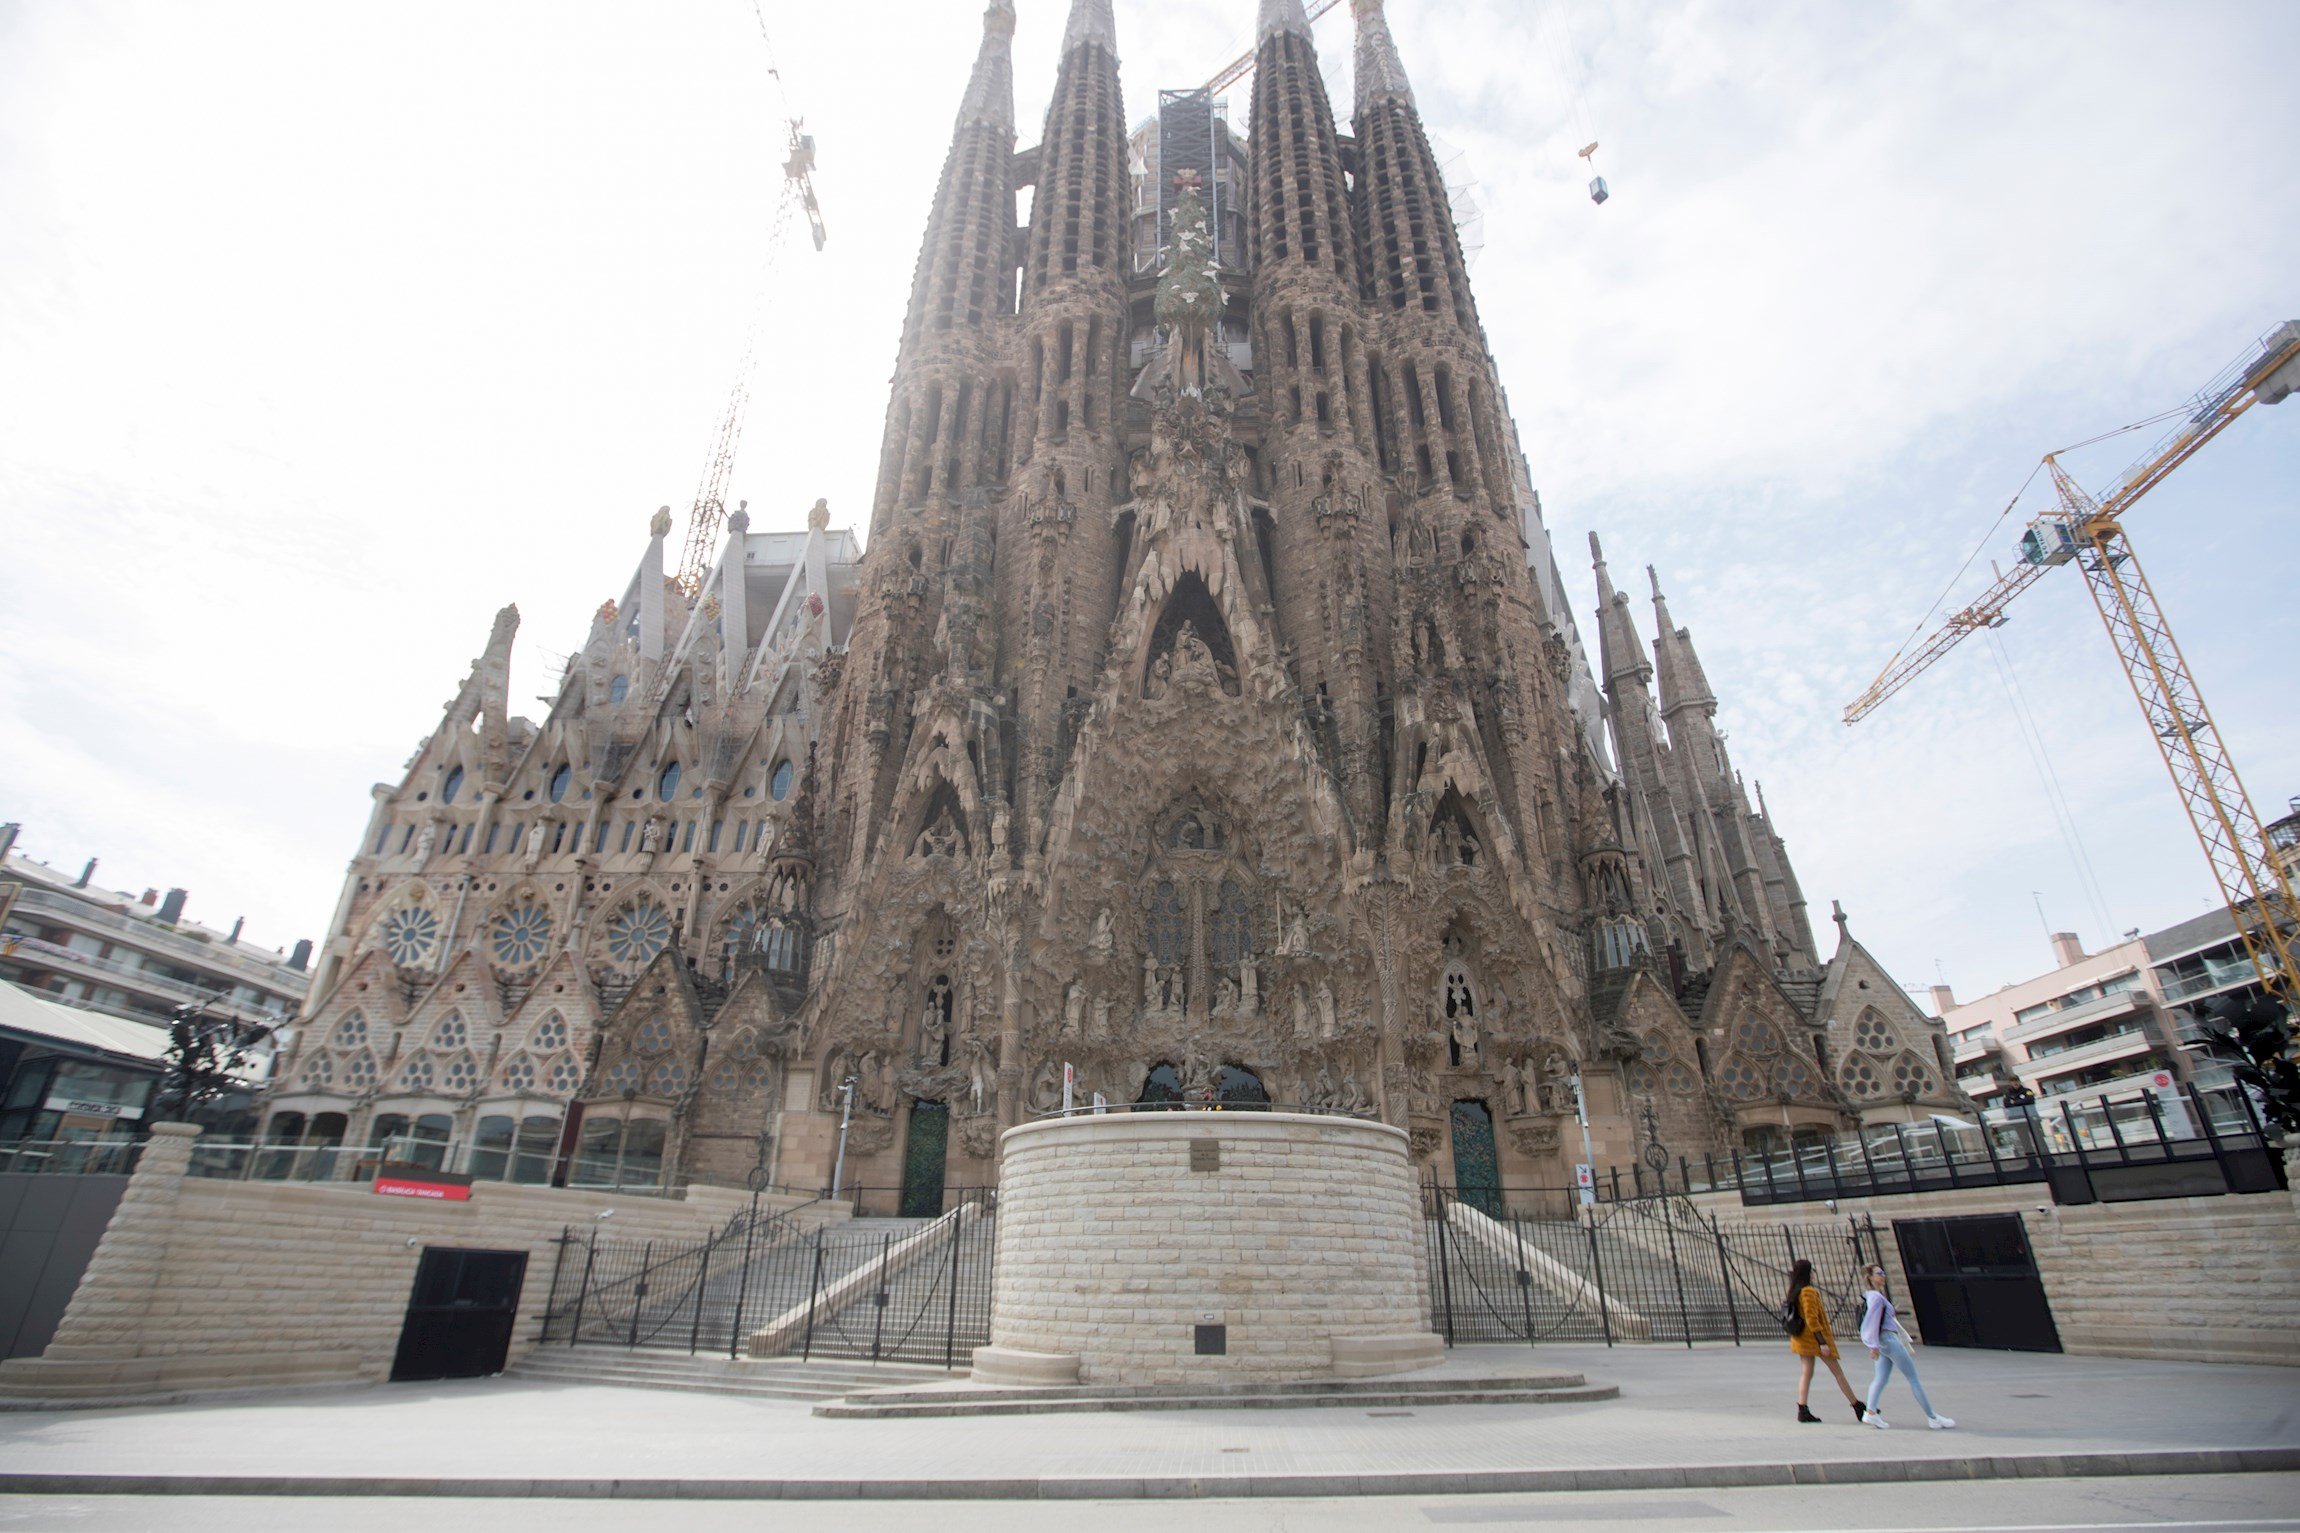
1207,716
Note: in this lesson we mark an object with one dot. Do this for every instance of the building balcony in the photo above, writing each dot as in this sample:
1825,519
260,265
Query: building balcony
252,966
2161,1081
2218,975
2106,1008
2051,1063
1979,1085
1978,1049
35,952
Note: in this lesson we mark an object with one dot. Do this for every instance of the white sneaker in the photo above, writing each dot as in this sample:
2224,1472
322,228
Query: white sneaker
1879,1422
1939,1423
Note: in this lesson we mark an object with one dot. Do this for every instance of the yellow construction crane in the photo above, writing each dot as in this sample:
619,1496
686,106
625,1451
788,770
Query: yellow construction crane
2089,532
1243,65
710,510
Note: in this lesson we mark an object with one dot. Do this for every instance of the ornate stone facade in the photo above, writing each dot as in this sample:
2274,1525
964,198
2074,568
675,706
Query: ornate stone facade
1210,723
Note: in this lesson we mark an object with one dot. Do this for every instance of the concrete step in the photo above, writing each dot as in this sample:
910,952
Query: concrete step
1461,1392
774,1380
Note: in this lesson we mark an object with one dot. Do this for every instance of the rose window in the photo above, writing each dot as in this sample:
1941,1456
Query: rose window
654,1036
1793,1077
519,1074
1755,1036
551,1034
1872,1032
1861,1078
461,1074
351,1032
1656,1048
1681,1081
1741,1079
669,1079
359,1072
521,936
624,1077
320,1072
637,933
452,1034
565,1077
1909,1074
417,1076
411,936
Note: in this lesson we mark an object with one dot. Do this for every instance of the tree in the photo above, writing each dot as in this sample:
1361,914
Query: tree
203,1064
2256,1029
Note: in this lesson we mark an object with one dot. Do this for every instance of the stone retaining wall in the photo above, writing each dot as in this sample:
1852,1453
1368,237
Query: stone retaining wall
202,1284
1119,1235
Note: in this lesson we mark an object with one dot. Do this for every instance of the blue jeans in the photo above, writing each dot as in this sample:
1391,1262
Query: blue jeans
1891,1350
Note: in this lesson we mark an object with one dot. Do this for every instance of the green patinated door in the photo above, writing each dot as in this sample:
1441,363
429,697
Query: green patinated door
1476,1160
923,1153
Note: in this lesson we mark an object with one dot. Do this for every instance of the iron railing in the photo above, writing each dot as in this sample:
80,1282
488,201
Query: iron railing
1648,1270
909,1290
71,1157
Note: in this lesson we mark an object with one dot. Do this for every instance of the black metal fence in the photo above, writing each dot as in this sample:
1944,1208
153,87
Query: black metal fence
1648,1270
907,1290
2179,1143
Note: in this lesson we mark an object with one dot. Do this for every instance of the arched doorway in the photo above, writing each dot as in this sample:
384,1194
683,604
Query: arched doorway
1241,1090
1161,1089
1476,1158
924,1153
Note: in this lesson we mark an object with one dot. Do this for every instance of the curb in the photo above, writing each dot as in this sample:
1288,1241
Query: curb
2168,1461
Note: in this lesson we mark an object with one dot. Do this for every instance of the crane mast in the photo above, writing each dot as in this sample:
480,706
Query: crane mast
2089,533
1243,65
710,510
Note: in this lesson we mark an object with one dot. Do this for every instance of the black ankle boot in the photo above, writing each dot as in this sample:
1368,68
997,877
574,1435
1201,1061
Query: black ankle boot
1805,1414
1860,1411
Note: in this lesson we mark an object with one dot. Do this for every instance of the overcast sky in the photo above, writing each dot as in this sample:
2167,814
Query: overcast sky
326,330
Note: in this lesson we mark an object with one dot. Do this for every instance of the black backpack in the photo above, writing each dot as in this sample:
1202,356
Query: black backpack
1792,1314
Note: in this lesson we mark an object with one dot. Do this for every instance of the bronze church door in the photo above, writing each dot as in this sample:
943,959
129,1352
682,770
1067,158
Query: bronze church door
923,1155
1476,1158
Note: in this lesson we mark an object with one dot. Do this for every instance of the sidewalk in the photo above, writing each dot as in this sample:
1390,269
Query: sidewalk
1712,1415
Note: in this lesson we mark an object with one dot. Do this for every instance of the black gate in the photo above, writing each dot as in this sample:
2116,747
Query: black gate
1973,1283
459,1317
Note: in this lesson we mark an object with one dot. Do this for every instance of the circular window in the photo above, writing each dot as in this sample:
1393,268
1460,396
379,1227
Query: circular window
551,1034
667,785
624,1077
618,689
351,1032
410,936
779,784
519,1075
359,1072
320,1072
565,1077
453,786
452,1032
637,933
462,1074
521,935
1680,1080
669,1079
654,1036
417,1075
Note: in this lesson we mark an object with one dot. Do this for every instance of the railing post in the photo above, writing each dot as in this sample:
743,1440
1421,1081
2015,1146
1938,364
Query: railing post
558,1266
1948,1151
1709,1170
814,1297
639,1289
1908,1165
1868,1161
950,1323
2083,1160
743,1281
1597,1273
1797,1164
1677,1271
2156,1121
2115,1134
1524,1279
1445,1265
702,1286
878,1299
1725,1276
590,1254
1989,1143
2211,1136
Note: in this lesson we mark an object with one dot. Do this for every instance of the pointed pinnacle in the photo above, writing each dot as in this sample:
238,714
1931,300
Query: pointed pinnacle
1090,22
1380,73
1283,16
990,90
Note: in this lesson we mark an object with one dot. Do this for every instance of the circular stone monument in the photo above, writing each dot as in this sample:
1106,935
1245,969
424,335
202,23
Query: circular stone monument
1187,1247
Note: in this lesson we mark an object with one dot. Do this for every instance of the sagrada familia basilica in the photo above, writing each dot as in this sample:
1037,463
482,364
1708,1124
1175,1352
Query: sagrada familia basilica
1206,720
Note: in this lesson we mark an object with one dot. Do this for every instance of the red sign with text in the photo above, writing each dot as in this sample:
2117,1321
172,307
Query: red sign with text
422,1182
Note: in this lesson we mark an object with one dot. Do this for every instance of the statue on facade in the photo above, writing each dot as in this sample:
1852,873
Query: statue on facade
1100,941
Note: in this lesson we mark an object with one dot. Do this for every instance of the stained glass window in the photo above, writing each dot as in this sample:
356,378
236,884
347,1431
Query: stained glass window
519,1074
1233,934
320,1072
453,1033
669,1079
779,785
560,781
410,936
417,1076
565,1076
461,1074
351,1032
551,1033
625,1076
654,1036
618,689
637,933
359,1071
1169,925
667,785
521,935
450,788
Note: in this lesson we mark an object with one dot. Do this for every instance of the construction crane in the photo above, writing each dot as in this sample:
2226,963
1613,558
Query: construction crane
710,510
2088,531
1243,65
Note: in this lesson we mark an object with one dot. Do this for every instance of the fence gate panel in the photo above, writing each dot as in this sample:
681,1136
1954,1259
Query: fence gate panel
1973,1283
459,1316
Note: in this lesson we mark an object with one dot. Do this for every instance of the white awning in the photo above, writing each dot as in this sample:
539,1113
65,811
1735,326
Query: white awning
24,1012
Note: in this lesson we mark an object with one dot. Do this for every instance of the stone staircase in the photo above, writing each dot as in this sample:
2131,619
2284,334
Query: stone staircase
1311,1394
762,1379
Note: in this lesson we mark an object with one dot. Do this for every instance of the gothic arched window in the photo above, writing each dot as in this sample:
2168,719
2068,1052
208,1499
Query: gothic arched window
1232,938
1169,925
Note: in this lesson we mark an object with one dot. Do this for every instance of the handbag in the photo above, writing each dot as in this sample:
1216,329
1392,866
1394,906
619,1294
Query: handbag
1792,1316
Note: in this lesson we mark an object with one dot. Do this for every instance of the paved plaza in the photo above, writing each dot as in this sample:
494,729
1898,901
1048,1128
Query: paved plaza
1686,1417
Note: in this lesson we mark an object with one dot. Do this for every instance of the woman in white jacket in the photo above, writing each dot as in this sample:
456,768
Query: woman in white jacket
1881,1333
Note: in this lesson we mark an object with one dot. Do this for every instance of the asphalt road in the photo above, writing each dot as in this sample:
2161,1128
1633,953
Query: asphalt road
2175,1504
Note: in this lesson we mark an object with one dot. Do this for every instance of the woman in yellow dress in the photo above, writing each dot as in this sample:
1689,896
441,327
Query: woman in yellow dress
1813,1342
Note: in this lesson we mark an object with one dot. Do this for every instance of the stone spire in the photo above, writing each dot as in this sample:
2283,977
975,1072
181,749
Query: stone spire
1620,653
1283,16
1683,683
1090,22
990,93
1381,75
